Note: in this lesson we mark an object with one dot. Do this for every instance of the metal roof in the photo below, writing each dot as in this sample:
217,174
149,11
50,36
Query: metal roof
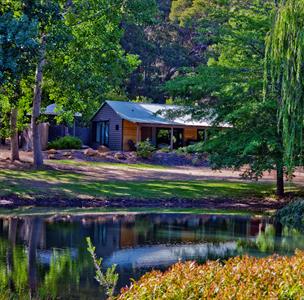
154,114
51,110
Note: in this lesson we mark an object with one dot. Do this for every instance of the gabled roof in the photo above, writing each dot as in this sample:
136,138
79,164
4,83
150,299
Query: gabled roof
150,114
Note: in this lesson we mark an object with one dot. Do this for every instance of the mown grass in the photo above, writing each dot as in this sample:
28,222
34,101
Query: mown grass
53,183
108,164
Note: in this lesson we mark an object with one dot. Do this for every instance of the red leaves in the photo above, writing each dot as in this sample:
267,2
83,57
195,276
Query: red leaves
239,278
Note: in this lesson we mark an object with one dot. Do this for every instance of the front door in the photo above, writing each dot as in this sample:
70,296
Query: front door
102,133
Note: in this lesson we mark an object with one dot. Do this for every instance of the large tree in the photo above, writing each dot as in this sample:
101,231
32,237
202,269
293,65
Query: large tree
79,55
284,76
18,47
229,89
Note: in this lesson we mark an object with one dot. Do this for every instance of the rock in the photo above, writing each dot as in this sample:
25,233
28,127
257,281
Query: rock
67,153
90,152
52,151
103,149
120,156
51,156
70,157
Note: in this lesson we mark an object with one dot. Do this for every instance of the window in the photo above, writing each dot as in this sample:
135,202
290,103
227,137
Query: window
201,135
163,136
117,127
101,132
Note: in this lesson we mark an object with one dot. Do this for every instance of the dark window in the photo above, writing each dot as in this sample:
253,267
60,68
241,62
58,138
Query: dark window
163,136
116,127
178,138
201,135
101,132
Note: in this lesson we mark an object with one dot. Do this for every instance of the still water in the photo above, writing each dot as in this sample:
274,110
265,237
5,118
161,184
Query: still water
47,258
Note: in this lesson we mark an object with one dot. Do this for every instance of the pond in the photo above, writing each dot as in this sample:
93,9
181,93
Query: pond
46,256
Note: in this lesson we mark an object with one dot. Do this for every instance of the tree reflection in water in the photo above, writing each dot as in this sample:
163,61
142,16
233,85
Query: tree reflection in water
47,258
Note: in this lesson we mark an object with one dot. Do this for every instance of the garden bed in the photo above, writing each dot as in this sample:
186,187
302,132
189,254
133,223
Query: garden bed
158,158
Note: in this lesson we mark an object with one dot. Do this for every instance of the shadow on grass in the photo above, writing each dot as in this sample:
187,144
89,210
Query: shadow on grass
51,183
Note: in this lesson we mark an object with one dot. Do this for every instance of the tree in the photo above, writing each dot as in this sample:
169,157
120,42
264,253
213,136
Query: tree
80,56
284,76
18,45
163,47
229,89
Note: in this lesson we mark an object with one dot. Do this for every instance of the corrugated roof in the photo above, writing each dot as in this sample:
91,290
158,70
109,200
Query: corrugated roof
149,113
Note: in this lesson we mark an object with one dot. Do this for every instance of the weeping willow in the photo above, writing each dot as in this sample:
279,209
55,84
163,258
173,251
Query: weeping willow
284,69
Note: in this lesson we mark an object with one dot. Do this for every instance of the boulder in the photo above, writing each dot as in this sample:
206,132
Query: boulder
52,151
67,153
90,152
120,156
51,156
103,149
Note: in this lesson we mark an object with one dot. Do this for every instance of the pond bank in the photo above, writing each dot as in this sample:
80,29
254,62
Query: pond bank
253,204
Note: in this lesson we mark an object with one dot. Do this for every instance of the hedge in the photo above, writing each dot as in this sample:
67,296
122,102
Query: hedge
274,277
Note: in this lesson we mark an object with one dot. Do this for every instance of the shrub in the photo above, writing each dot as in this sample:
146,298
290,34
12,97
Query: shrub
66,142
165,150
195,148
275,277
145,149
107,279
292,215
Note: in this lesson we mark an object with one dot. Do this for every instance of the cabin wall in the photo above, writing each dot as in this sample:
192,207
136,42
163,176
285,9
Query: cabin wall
190,134
106,113
129,133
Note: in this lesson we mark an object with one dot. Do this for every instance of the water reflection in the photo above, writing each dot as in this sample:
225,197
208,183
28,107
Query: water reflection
46,257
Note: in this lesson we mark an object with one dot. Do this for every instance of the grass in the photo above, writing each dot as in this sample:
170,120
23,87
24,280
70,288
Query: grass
47,211
53,183
108,164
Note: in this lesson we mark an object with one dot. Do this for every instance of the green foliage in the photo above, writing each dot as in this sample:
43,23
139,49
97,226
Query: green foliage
284,75
66,142
229,89
145,149
162,47
107,280
238,278
195,148
292,215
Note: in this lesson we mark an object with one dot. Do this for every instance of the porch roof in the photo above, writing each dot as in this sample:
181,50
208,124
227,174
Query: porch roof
154,114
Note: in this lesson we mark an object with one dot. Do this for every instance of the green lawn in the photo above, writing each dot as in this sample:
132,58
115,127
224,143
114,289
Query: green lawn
107,164
50,183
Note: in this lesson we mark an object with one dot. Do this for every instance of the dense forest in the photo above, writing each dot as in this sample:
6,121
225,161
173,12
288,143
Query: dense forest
164,47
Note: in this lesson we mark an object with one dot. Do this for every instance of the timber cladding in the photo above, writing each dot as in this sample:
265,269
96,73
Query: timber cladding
129,133
190,133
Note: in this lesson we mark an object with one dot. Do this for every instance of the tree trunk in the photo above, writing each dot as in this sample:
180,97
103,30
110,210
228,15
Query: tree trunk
14,135
280,180
37,149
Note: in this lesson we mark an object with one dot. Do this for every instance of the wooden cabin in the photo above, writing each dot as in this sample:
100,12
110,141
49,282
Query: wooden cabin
119,125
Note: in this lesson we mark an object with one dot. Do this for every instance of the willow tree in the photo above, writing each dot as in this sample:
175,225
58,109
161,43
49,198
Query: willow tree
284,76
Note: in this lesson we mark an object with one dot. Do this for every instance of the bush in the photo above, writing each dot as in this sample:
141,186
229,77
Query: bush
145,149
66,142
165,150
292,215
195,148
275,277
